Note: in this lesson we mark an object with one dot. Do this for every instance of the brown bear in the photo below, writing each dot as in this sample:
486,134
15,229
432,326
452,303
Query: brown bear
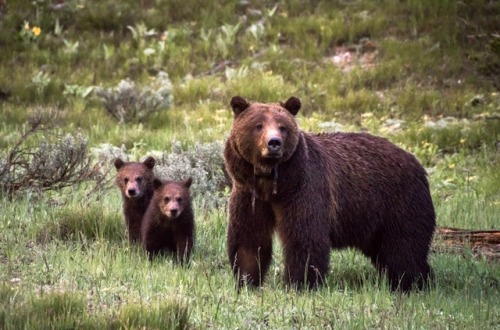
322,191
135,180
168,225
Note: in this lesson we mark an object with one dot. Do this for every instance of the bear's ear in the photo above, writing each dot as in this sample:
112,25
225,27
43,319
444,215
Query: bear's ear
119,163
292,105
157,183
149,162
187,183
239,104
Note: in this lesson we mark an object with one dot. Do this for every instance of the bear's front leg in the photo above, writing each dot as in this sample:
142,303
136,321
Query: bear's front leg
306,246
184,246
249,237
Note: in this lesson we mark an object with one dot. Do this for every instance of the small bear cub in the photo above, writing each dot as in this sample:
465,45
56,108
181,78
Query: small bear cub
168,225
135,180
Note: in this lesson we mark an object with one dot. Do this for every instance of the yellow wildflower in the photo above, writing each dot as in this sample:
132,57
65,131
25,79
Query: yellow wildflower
462,141
36,31
27,26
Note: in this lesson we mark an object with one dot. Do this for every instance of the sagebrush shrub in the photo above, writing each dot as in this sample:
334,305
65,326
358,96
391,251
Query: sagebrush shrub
41,160
127,102
204,163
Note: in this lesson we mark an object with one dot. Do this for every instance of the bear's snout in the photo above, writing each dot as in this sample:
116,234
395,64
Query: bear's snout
132,192
173,212
172,209
274,145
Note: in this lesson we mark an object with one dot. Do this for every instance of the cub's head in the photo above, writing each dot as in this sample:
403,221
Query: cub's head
172,197
134,178
265,134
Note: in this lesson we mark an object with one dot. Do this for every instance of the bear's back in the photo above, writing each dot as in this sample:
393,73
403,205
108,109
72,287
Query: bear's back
371,181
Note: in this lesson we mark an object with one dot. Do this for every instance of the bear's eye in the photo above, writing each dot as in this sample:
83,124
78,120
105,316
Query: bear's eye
259,127
282,129
166,199
138,179
125,180
179,200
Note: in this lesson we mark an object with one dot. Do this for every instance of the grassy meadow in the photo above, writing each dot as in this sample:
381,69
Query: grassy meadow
425,74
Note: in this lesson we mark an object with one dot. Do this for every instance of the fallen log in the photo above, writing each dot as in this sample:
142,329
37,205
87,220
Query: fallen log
481,242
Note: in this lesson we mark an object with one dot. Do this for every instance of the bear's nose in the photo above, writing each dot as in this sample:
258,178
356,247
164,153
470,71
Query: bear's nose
274,144
132,192
174,212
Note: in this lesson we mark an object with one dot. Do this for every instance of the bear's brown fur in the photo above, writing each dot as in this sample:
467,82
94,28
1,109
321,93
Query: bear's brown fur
322,191
135,180
168,224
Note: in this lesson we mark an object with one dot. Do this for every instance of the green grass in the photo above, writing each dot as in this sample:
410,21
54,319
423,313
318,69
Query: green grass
94,280
433,89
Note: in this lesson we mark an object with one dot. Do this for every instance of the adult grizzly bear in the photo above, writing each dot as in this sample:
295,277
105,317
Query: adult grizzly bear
322,191
135,180
168,225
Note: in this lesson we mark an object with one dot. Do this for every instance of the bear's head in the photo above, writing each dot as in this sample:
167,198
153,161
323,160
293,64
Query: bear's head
265,134
172,197
135,178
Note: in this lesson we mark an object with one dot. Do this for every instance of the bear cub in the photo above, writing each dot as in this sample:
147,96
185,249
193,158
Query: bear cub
168,225
135,180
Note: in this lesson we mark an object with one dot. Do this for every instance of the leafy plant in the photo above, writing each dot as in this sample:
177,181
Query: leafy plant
226,38
30,34
41,81
77,91
71,47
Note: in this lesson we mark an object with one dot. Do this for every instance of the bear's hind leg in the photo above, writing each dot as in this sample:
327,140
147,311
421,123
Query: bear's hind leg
405,264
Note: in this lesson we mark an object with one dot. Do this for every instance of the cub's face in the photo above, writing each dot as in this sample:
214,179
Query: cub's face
265,134
133,178
172,198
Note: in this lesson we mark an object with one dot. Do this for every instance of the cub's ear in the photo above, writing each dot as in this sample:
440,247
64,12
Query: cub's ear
157,183
239,104
119,163
187,183
149,162
292,105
